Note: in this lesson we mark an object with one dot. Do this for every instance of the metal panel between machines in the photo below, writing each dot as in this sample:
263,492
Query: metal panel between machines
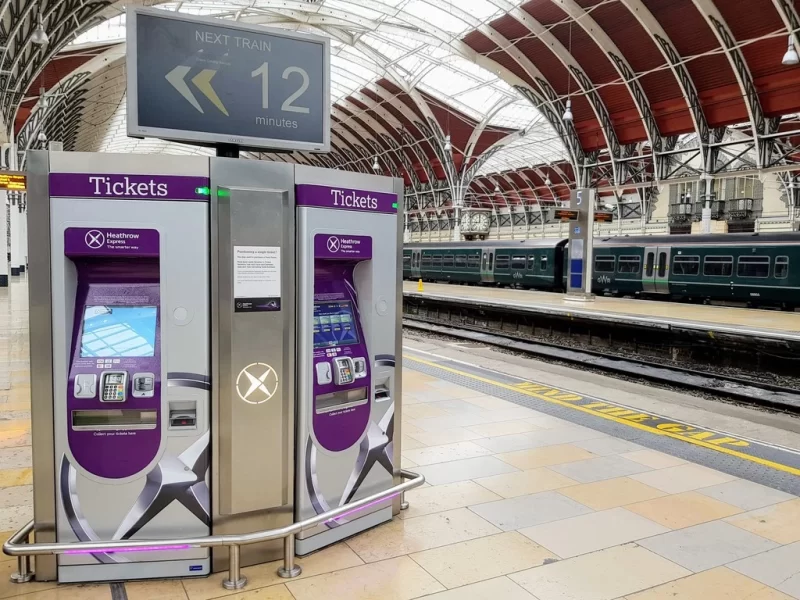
253,302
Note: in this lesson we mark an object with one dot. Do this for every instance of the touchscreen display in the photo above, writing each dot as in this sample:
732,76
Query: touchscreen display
118,331
334,324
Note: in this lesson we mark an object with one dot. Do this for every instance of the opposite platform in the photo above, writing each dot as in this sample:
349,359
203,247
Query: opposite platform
643,313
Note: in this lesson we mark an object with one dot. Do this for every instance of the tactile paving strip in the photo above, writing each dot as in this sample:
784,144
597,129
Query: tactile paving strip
745,462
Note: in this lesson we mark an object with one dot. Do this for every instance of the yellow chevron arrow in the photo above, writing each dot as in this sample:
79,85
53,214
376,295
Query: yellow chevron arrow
203,82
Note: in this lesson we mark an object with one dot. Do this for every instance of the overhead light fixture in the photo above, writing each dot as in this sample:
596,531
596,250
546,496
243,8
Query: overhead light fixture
375,165
496,189
790,58
568,112
547,181
39,36
447,145
41,137
688,196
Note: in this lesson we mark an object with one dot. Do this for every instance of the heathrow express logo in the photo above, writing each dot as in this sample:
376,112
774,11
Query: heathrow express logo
257,383
333,244
95,239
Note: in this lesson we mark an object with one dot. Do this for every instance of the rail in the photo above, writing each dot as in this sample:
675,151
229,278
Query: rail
18,544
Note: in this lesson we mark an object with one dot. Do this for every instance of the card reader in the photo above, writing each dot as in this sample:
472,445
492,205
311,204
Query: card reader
343,370
113,386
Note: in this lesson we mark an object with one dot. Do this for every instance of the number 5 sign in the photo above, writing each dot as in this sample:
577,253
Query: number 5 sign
214,81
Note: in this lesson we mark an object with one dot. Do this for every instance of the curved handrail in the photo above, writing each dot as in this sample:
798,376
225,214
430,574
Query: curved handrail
17,545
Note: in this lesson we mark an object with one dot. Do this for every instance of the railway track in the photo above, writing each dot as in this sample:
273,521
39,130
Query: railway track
738,389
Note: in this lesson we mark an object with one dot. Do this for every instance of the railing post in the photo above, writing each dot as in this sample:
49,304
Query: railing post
403,502
289,568
235,580
23,574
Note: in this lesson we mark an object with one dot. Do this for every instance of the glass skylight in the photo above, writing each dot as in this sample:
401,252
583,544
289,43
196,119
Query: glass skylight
412,43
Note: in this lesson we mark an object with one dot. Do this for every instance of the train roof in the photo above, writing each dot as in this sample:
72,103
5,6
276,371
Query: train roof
536,243
748,239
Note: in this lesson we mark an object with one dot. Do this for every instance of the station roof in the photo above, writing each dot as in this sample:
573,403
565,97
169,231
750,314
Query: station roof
658,89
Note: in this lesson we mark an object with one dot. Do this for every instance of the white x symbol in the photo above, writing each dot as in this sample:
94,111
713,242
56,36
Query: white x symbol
259,383
94,239
333,244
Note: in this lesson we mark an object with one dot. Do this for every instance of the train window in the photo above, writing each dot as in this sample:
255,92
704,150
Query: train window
406,262
630,264
604,264
503,261
448,260
426,260
718,266
648,267
686,265
416,259
753,266
781,267
491,260
474,260
518,262
662,264
461,260
437,260
543,263
531,263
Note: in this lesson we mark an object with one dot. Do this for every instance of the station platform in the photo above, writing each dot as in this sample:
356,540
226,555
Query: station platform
542,484
644,313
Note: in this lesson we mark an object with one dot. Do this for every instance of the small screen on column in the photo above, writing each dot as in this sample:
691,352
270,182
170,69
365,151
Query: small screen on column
119,331
334,324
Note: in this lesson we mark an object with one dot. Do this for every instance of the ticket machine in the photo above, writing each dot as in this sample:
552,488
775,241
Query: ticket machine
160,291
348,322
176,341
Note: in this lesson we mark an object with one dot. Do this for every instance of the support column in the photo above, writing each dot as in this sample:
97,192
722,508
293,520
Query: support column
23,240
15,234
14,225
3,240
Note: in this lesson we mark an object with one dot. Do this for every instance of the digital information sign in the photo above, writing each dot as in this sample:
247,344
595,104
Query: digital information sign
564,214
212,81
13,182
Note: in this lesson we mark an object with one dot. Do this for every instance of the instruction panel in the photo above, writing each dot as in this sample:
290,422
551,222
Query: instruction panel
256,278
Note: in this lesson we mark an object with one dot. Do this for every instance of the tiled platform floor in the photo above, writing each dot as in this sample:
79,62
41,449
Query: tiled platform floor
573,515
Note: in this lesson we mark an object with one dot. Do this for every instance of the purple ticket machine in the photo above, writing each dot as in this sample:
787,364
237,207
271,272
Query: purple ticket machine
129,345
160,290
348,338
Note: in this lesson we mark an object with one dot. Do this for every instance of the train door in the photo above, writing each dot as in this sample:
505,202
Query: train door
416,257
655,276
487,265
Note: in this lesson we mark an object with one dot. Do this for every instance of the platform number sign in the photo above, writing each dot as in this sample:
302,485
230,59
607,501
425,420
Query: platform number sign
215,81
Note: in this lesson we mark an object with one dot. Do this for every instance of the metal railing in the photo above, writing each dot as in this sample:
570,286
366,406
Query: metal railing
18,545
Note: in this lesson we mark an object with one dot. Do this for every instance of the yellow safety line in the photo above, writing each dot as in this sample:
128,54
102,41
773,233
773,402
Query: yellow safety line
728,451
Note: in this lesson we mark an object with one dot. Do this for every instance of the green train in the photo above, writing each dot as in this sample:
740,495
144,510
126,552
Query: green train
757,269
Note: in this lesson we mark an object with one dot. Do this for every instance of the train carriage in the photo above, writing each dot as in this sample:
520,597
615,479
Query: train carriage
759,269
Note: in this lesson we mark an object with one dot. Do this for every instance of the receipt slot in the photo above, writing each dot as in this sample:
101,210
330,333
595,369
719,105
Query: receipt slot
348,241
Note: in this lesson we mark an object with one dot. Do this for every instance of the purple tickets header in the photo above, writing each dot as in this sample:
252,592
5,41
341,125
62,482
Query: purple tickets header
345,199
142,187
342,247
106,241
